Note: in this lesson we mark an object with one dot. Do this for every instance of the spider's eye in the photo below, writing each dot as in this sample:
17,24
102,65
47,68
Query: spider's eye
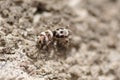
61,32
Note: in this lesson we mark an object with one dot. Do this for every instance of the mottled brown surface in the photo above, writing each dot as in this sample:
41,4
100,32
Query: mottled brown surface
94,51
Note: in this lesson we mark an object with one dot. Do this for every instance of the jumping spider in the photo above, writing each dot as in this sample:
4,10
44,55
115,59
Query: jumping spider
58,38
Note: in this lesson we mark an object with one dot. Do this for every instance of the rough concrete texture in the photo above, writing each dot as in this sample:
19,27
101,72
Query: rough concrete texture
94,51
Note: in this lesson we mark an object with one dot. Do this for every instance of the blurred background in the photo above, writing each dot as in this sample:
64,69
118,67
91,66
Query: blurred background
94,53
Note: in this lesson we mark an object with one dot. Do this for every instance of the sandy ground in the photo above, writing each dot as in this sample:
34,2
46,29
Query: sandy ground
94,51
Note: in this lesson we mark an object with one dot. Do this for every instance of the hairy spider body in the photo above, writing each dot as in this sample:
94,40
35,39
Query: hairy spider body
57,38
45,38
